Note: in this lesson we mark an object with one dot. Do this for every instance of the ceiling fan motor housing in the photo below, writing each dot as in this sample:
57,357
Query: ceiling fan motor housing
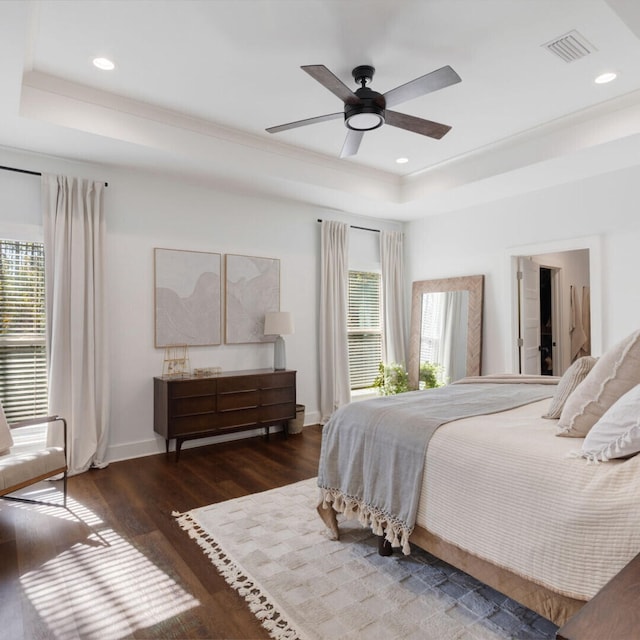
368,113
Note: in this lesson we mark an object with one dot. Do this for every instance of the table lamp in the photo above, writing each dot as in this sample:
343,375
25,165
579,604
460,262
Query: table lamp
278,323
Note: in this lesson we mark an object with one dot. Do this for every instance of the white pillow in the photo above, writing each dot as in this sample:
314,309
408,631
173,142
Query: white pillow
6,439
615,373
572,377
617,433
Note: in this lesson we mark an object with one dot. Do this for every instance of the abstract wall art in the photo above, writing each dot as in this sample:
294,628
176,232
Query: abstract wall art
187,298
252,289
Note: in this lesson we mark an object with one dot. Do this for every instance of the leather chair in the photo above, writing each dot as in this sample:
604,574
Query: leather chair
19,469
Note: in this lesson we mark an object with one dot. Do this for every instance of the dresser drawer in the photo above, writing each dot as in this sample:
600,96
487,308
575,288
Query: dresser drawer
239,418
277,412
185,425
238,400
278,380
189,405
240,383
277,396
186,388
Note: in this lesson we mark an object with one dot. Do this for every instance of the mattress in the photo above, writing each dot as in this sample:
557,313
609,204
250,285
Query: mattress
505,488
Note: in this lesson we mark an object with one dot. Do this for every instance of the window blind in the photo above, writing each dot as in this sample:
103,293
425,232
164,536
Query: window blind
23,358
364,328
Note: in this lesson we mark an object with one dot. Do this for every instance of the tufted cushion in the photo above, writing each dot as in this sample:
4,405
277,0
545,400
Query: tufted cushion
6,440
572,377
615,373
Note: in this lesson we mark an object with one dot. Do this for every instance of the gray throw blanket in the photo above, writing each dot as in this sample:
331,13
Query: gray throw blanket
373,452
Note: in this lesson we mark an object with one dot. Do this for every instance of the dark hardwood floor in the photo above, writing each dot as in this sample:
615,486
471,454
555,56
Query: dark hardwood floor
116,564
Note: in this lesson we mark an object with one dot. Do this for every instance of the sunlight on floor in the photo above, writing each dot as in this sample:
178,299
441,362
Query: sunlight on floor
110,588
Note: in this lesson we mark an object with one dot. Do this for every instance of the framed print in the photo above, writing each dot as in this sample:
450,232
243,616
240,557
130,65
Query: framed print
187,298
252,289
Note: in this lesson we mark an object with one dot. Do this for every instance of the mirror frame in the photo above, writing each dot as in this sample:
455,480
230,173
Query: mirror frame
475,286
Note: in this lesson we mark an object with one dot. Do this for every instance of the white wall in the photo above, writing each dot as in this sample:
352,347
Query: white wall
479,239
146,211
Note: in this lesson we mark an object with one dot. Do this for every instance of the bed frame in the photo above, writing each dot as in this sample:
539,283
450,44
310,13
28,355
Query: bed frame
547,603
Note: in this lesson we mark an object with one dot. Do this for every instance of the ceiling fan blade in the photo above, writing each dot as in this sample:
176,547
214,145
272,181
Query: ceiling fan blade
433,81
328,80
351,143
417,125
304,123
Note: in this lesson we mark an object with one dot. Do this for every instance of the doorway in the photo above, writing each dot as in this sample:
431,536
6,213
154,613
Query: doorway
538,311
544,303
547,336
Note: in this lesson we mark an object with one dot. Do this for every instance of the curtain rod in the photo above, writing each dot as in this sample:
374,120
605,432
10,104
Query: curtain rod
353,226
31,173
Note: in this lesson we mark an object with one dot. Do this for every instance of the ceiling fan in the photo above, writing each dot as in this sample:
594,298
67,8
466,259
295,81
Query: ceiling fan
366,109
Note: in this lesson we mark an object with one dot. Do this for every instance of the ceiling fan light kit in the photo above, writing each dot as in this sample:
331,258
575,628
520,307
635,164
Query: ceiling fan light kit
365,109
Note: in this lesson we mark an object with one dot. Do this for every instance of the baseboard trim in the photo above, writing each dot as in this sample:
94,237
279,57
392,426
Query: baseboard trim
156,445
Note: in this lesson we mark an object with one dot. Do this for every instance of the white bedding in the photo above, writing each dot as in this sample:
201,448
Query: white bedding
502,487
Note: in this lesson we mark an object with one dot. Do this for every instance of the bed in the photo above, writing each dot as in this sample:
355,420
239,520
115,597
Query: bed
502,498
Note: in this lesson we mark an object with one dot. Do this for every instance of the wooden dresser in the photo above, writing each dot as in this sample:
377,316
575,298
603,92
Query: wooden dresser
187,408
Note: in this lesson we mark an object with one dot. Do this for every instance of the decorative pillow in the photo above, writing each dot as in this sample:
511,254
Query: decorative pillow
6,439
615,373
572,377
617,433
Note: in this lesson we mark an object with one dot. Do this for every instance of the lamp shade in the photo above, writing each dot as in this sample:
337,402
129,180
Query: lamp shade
278,323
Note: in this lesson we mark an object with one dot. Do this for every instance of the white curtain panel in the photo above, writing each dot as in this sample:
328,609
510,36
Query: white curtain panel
74,238
334,302
392,260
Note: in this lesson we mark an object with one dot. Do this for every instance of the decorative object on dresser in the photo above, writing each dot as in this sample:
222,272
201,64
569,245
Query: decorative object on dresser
278,323
187,298
232,401
207,372
176,361
252,289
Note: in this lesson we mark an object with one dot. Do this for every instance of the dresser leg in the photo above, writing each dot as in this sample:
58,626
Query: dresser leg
178,447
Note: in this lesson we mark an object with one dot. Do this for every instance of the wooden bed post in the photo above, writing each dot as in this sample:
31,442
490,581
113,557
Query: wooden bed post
384,546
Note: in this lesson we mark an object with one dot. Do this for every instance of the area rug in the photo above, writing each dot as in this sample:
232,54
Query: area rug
272,548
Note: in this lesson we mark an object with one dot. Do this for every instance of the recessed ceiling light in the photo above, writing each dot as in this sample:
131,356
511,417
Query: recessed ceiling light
606,77
402,160
104,63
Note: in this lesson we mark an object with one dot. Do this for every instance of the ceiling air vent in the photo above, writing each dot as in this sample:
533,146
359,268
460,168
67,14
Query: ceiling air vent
571,46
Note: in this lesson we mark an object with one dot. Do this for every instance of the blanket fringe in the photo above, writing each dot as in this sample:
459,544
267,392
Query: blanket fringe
395,531
590,456
259,603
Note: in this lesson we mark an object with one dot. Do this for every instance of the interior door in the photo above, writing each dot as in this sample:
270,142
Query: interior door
529,295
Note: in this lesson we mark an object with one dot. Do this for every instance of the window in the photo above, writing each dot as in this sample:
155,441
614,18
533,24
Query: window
364,327
432,327
23,360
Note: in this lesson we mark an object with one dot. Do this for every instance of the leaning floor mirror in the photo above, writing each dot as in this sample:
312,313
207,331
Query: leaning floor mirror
446,329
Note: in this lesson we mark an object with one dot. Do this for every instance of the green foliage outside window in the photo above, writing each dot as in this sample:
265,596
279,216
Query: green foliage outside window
429,376
393,378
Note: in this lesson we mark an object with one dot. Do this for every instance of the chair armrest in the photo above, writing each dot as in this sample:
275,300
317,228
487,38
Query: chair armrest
42,420
33,421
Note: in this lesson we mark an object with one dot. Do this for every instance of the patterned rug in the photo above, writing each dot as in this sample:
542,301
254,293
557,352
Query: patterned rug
271,547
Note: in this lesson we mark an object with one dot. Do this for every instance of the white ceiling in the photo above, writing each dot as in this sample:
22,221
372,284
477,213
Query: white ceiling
197,83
